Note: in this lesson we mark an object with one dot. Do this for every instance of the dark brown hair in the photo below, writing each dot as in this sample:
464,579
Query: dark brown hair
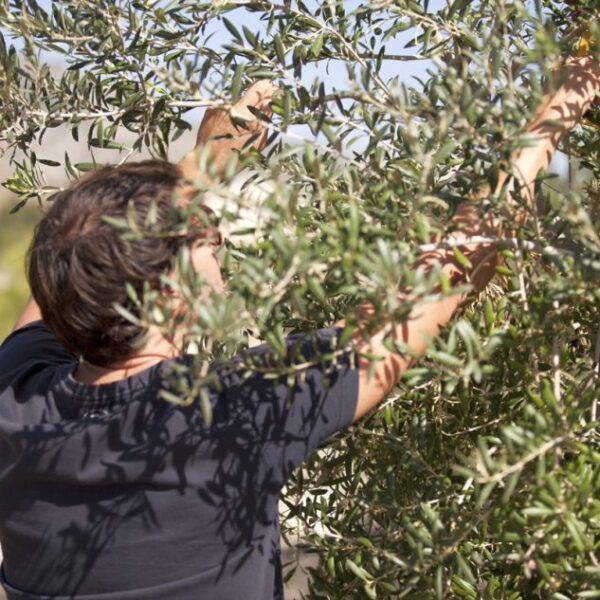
80,263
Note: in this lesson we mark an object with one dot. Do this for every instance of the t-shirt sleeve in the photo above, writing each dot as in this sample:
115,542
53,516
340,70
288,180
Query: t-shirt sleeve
32,342
296,403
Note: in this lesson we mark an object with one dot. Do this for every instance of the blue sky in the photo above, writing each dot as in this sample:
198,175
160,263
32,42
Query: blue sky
334,75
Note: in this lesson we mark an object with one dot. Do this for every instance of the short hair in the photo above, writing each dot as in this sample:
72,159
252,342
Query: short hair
80,262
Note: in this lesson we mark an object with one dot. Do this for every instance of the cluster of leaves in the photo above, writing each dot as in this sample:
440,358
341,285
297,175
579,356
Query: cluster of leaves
478,477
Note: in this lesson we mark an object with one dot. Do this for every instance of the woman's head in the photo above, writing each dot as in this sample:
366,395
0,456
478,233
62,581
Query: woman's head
80,260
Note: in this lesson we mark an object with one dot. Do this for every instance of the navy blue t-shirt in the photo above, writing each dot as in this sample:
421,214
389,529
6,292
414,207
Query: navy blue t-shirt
111,492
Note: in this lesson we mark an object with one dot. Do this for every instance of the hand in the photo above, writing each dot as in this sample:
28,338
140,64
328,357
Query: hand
224,132
227,131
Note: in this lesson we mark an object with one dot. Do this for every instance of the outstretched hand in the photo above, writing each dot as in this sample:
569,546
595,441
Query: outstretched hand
245,124
230,130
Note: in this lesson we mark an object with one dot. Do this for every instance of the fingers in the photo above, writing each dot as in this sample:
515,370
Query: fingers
227,131
259,96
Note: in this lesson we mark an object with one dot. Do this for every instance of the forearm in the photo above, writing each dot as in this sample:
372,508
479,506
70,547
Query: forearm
188,167
559,112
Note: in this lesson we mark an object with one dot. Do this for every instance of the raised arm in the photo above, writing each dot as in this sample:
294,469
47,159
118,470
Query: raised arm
558,113
225,133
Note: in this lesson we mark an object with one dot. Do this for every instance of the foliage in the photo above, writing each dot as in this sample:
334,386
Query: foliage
479,476
15,231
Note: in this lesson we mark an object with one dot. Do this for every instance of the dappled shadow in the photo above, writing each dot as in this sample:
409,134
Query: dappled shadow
130,492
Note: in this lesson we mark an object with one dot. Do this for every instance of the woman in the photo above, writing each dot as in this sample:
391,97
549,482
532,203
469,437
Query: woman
110,492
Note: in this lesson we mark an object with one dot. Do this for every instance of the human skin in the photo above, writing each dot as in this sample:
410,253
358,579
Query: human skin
558,113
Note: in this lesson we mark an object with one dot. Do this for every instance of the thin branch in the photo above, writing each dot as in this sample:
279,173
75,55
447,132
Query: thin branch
505,242
521,278
556,364
474,428
73,115
407,57
596,374
520,465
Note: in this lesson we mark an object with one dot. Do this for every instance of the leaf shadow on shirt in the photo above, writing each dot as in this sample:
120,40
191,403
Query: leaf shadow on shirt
130,491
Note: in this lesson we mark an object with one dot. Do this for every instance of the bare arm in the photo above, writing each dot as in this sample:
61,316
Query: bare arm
30,313
565,108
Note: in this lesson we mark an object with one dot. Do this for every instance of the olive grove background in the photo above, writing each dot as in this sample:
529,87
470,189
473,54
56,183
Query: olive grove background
479,476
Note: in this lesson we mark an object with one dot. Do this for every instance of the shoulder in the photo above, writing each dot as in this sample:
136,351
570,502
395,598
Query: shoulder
311,372
310,348
33,342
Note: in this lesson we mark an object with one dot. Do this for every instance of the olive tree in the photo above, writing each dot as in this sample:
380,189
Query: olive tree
478,477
